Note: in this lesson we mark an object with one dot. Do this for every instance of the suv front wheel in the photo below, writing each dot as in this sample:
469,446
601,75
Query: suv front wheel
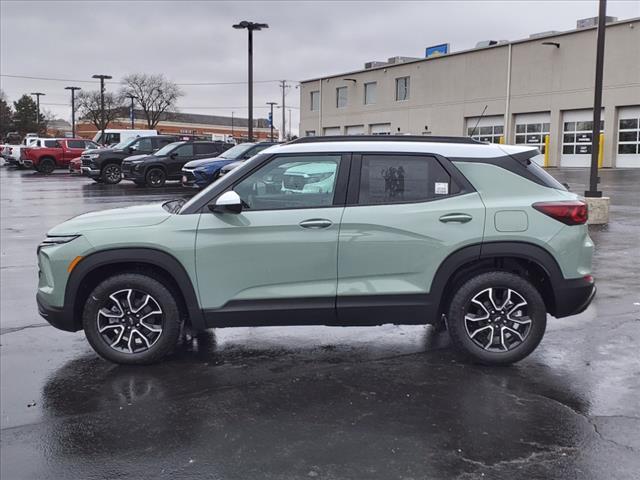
497,318
131,318
111,174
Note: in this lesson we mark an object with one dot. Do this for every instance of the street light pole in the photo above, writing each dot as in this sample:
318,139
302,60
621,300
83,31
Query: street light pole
102,78
132,115
271,104
38,95
73,109
250,26
597,103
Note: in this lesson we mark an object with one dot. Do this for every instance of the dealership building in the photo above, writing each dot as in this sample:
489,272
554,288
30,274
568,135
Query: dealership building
536,91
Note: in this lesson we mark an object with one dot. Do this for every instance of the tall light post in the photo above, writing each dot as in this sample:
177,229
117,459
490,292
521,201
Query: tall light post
132,114
597,103
102,78
250,26
38,95
73,109
271,104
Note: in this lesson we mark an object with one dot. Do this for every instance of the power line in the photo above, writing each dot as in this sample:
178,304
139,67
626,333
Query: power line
50,79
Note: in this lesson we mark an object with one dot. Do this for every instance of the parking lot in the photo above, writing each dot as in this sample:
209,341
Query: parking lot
319,402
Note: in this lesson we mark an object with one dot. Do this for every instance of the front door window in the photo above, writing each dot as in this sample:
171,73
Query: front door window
291,182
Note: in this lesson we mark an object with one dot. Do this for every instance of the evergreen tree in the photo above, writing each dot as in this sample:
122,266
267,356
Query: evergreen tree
6,116
24,118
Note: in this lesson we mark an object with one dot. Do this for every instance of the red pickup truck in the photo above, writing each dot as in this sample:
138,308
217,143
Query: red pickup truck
46,159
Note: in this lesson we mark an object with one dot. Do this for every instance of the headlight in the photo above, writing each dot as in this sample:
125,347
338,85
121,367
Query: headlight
57,240
93,156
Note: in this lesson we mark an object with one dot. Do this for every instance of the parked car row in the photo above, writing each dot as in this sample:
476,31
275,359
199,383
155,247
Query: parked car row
147,159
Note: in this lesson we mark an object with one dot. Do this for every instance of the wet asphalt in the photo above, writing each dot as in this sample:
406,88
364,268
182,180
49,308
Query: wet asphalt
388,402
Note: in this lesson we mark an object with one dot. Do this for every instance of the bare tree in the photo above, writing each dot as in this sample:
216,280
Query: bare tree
88,106
155,95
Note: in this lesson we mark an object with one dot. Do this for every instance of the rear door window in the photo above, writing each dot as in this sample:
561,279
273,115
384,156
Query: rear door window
206,148
387,179
75,144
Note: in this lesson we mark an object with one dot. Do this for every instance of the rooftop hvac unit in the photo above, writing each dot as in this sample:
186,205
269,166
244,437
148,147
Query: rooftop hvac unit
593,21
544,34
394,60
374,64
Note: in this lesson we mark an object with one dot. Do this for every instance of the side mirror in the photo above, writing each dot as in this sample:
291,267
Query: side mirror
173,155
228,202
132,149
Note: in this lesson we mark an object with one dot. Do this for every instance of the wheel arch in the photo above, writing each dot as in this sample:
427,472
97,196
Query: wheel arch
161,265
525,259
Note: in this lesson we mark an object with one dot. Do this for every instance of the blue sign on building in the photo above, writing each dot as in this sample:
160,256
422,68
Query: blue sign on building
436,50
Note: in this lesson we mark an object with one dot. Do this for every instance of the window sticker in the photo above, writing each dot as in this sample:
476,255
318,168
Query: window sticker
441,188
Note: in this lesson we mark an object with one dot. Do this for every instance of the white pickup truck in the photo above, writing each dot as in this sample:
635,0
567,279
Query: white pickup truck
11,153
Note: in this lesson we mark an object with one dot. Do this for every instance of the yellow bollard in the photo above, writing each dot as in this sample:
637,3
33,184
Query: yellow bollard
501,142
546,151
601,150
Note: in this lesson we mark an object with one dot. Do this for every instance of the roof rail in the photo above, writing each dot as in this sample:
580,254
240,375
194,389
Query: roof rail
386,138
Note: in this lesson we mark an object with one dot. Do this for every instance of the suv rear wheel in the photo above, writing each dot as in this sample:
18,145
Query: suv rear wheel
497,318
131,318
111,174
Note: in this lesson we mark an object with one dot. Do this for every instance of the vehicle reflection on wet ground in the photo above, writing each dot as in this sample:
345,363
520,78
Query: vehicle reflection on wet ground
383,402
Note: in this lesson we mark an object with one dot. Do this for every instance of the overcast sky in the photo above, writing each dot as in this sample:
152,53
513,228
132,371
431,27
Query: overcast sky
192,42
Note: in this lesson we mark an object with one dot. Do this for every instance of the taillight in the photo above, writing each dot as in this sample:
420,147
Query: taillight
573,212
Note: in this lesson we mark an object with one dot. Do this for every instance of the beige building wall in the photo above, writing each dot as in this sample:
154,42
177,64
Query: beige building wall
448,90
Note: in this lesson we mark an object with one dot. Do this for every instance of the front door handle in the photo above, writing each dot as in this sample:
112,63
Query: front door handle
456,217
316,223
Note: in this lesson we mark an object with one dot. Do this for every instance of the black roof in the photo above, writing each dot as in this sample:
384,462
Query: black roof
386,138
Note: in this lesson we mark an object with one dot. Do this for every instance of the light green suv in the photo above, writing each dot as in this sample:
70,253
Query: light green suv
471,237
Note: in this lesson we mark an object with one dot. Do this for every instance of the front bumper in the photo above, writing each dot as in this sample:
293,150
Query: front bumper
574,296
57,317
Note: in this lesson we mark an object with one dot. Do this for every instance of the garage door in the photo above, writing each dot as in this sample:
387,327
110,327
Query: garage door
486,129
577,127
354,130
380,128
332,130
531,129
628,151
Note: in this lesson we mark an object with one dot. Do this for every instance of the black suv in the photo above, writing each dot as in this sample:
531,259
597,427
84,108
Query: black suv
104,165
166,164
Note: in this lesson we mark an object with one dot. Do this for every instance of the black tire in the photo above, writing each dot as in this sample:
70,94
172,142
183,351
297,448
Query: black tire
155,177
159,312
46,165
111,174
521,328
97,180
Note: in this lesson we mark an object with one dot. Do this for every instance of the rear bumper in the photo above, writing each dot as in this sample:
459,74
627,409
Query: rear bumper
55,316
574,296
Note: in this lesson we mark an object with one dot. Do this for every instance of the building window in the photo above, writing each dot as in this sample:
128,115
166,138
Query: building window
380,128
577,137
532,134
629,136
370,93
310,133
402,88
315,100
341,97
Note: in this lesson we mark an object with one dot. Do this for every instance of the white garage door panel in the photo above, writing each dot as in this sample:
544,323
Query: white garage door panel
354,130
628,138
332,130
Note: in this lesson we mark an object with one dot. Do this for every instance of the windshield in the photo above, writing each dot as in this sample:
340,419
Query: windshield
237,151
167,149
126,143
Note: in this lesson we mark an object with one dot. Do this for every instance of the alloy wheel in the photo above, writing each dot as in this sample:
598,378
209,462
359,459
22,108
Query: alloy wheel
130,321
497,319
112,174
156,177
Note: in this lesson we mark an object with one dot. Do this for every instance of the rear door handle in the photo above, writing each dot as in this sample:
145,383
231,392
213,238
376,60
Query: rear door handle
456,217
316,223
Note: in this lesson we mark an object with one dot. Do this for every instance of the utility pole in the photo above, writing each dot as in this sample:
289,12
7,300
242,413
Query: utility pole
73,109
132,114
283,85
38,95
289,132
597,103
271,104
250,26
102,78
